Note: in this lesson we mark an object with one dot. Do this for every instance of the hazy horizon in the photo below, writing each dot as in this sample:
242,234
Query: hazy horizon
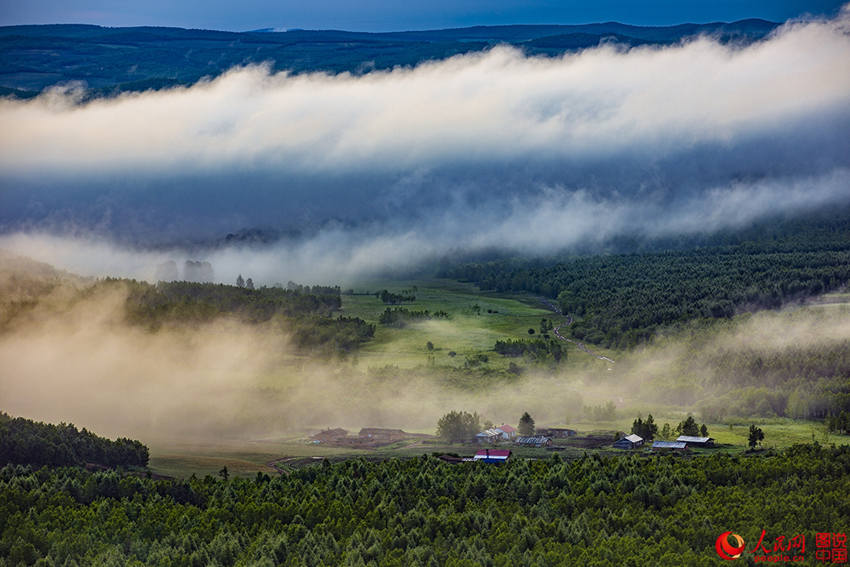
383,16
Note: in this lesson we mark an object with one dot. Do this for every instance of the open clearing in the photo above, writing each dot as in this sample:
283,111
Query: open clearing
476,321
247,458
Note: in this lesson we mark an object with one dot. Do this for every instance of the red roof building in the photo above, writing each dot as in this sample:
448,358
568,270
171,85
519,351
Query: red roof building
492,456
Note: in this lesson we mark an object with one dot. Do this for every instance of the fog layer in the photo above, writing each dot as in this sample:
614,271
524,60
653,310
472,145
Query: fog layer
386,169
79,361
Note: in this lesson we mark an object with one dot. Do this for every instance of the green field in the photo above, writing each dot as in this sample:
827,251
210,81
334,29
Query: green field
247,458
242,458
476,321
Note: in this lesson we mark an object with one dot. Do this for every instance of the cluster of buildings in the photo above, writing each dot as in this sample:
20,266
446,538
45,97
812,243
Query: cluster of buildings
497,456
496,434
681,443
508,433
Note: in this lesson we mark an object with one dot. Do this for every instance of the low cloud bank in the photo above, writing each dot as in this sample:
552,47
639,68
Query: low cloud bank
555,220
390,169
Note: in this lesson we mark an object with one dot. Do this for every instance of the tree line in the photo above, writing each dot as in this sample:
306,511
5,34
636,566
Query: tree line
308,313
399,316
534,349
648,429
804,381
593,511
395,298
28,442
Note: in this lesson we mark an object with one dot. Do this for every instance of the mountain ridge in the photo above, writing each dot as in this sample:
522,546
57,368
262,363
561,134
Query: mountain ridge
112,60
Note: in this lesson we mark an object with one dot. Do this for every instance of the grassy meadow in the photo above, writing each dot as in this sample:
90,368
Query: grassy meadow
476,321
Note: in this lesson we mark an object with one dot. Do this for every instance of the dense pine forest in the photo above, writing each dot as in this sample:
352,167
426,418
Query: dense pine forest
621,300
800,382
628,510
27,442
194,302
308,313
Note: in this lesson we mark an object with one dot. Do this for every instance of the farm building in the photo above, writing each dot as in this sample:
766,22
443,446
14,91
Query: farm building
489,436
380,434
629,442
328,435
695,441
669,446
557,432
537,441
508,432
453,459
494,456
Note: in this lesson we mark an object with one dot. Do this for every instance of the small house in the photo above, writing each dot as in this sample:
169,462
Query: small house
537,441
493,456
629,442
488,436
695,441
508,432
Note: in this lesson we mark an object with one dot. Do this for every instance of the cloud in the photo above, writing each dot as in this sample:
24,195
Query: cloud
486,106
493,149
537,225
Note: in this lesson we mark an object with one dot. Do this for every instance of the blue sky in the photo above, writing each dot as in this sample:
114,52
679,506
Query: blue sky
387,15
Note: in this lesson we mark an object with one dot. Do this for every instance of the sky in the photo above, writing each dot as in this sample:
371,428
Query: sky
389,170
391,15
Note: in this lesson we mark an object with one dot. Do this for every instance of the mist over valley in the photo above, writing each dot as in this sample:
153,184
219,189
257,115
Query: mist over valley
494,295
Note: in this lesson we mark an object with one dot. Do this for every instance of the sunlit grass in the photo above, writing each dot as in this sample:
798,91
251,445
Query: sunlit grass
476,321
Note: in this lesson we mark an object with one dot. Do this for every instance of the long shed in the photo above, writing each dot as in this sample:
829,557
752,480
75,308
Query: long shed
493,456
695,441
669,445
537,441
629,442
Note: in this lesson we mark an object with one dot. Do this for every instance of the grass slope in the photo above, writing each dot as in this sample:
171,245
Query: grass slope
467,332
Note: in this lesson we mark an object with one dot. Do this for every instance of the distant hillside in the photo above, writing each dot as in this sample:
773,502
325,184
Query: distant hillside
27,442
113,60
25,282
621,300
310,314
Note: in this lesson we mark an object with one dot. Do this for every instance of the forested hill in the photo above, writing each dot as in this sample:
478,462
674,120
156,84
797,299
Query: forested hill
307,313
194,302
620,300
624,510
27,442
113,60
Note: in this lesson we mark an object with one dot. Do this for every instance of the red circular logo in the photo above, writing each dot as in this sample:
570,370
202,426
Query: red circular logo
726,550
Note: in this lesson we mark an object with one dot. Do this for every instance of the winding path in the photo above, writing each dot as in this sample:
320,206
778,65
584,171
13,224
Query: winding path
567,322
